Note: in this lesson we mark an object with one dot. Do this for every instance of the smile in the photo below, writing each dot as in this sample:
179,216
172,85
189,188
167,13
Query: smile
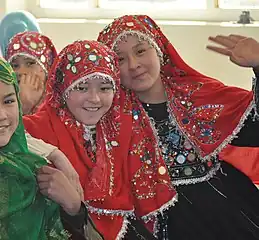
2,128
92,109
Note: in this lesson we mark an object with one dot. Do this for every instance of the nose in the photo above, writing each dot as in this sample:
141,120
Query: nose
3,114
133,63
93,96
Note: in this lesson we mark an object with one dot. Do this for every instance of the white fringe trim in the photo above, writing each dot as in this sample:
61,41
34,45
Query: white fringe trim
234,133
123,230
161,210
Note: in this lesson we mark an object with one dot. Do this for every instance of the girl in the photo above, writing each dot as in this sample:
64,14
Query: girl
192,117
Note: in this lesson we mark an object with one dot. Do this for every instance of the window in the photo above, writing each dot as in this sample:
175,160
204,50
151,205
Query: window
63,4
239,4
173,10
158,4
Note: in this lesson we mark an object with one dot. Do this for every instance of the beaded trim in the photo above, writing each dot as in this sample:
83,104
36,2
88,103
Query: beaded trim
109,212
251,106
29,56
84,79
161,210
142,37
211,173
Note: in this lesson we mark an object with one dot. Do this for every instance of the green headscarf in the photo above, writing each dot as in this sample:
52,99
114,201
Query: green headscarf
24,212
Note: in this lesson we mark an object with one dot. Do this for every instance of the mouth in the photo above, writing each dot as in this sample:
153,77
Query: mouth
139,76
2,128
91,109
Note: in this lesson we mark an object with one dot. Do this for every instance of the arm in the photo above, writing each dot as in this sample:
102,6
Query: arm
57,158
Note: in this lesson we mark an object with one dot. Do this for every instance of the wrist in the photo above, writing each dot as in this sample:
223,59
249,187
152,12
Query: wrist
73,208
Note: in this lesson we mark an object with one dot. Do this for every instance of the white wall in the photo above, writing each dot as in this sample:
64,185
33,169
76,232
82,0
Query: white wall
190,41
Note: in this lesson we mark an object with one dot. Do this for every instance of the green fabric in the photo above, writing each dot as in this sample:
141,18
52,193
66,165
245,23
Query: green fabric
24,212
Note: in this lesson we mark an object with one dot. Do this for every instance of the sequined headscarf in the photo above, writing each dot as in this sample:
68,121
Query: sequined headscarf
32,45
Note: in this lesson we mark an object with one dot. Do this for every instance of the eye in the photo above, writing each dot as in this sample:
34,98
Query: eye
9,101
14,65
82,88
121,59
141,51
30,63
106,89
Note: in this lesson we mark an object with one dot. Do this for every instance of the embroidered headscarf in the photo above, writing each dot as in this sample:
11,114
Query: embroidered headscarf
33,45
24,211
199,105
13,23
104,176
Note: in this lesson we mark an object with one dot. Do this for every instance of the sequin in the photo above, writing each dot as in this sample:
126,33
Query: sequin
43,58
130,24
114,143
191,157
180,158
33,45
16,46
162,170
188,171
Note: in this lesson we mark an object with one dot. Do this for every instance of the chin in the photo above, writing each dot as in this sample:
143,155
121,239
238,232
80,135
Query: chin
4,141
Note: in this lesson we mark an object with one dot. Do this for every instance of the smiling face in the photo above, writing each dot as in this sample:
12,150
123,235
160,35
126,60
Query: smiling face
139,64
9,113
89,101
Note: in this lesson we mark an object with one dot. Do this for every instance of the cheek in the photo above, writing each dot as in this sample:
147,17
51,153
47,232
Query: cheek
107,100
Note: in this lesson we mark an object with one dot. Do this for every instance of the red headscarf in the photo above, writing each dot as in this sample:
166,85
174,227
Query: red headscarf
105,181
33,45
208,113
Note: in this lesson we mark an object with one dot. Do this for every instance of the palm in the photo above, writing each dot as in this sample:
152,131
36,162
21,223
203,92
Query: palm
241,50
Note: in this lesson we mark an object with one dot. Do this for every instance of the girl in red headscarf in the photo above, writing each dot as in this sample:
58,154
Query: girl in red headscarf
192,117
88,117
31,55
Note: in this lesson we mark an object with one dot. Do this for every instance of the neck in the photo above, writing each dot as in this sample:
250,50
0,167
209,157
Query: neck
156,94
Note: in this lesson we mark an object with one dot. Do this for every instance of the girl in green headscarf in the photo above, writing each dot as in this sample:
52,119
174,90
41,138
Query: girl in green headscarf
24,212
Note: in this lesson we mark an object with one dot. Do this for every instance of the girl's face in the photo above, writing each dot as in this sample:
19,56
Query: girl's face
89,101
24,66
139,64
9,113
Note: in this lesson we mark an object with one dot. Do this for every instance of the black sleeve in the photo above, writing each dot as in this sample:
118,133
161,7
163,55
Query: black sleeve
137,231
249,134
75,224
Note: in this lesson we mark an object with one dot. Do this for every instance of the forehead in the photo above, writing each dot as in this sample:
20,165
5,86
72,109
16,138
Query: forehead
5,88
128,43
21,58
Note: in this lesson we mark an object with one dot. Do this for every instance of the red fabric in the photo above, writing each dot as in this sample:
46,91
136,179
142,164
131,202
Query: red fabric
34,45
106,182
206,110
243,158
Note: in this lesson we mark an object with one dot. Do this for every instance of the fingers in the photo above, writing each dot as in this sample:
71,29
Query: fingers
47,170
219,50
236,38
223,40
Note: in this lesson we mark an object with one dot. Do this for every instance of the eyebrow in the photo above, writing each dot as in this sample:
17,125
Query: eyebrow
9,95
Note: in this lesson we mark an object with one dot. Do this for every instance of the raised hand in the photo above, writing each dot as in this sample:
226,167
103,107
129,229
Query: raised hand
241,50
31,91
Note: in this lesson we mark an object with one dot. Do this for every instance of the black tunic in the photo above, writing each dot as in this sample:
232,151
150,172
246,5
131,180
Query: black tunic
216,201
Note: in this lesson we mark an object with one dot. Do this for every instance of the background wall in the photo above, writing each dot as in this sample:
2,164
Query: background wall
190,41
